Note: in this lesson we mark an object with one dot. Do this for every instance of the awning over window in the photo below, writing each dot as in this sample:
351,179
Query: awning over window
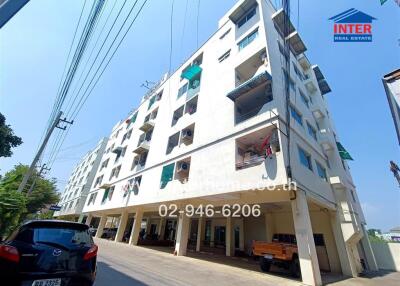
167,174
343,152
191,72
249,85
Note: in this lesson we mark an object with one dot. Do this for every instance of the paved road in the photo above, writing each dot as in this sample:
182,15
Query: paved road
123,265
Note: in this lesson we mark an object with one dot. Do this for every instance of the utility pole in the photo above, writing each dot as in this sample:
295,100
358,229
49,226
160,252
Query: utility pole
43,169
28,174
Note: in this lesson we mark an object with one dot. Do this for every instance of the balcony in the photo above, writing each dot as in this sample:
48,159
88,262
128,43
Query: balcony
304,62
253,148
317,113
143,146
147,125
326,140
296,43
280,18
310,85
322,83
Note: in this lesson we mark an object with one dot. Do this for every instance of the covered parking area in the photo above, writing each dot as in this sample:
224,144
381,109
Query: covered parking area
313,223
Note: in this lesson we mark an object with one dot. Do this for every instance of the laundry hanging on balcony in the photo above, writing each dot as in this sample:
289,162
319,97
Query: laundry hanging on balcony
191,72
132,119
343,152
249,85
270,144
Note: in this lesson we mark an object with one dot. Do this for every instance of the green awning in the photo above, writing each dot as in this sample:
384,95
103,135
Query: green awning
167,174
133,118
191,72
343,152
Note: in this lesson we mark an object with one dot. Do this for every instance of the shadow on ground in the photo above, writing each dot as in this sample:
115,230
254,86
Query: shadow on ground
107,276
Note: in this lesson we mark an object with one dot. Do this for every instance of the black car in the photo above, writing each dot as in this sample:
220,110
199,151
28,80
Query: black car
48,253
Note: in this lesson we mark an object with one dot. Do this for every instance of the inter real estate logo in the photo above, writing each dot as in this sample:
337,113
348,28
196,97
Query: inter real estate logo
352,26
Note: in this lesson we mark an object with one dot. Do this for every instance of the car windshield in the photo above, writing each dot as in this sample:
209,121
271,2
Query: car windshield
67,237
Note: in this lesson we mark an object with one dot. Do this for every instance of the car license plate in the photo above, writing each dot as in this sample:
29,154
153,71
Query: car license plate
268,256
47,282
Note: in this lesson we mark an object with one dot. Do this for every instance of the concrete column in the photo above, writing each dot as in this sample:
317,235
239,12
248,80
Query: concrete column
100,228
228,237
133,240
212,230
81,217
269,226
161,228
182,235
369,254
199,233
121,226
343,250
305,241
241,234
89,219
148,224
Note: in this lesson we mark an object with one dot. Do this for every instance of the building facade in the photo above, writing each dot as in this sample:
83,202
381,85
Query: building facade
242,125
391,82
79,183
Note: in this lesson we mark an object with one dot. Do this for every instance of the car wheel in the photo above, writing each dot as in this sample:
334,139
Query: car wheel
265,264
295,268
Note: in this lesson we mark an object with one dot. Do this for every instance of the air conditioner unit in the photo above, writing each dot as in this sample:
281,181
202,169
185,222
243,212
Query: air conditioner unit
187,134
274,141
182,167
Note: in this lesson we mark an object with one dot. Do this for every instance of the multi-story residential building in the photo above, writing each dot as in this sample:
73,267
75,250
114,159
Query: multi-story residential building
74,196
215,133
391,82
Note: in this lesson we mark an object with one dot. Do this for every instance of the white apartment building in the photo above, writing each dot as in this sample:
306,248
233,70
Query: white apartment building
201,136
79,183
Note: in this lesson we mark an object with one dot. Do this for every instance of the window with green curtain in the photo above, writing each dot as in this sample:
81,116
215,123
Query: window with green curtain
151,102
133,118
166,175
105,195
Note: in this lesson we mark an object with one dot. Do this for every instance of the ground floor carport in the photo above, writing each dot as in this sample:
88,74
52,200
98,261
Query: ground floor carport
315,225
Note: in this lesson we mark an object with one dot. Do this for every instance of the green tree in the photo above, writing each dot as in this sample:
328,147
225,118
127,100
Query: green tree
43,194
7,138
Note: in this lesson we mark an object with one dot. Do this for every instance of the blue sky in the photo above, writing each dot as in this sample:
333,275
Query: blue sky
34,46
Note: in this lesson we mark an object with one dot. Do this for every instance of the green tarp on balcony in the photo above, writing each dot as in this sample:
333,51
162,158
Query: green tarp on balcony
167,174
343,152
249,85
191,72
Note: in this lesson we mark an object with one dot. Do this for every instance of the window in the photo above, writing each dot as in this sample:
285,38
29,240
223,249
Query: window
224,56
177,114
353,196
305,159
166,175
151,101
282,51
304,99
108,193
299,74
182,90
296,115
91,199
98,180
172,142
292,84
246,17
321,171
115,172
104,164
127,135
247,40
191,105
311,131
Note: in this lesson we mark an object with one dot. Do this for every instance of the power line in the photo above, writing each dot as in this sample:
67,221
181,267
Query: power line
87,94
